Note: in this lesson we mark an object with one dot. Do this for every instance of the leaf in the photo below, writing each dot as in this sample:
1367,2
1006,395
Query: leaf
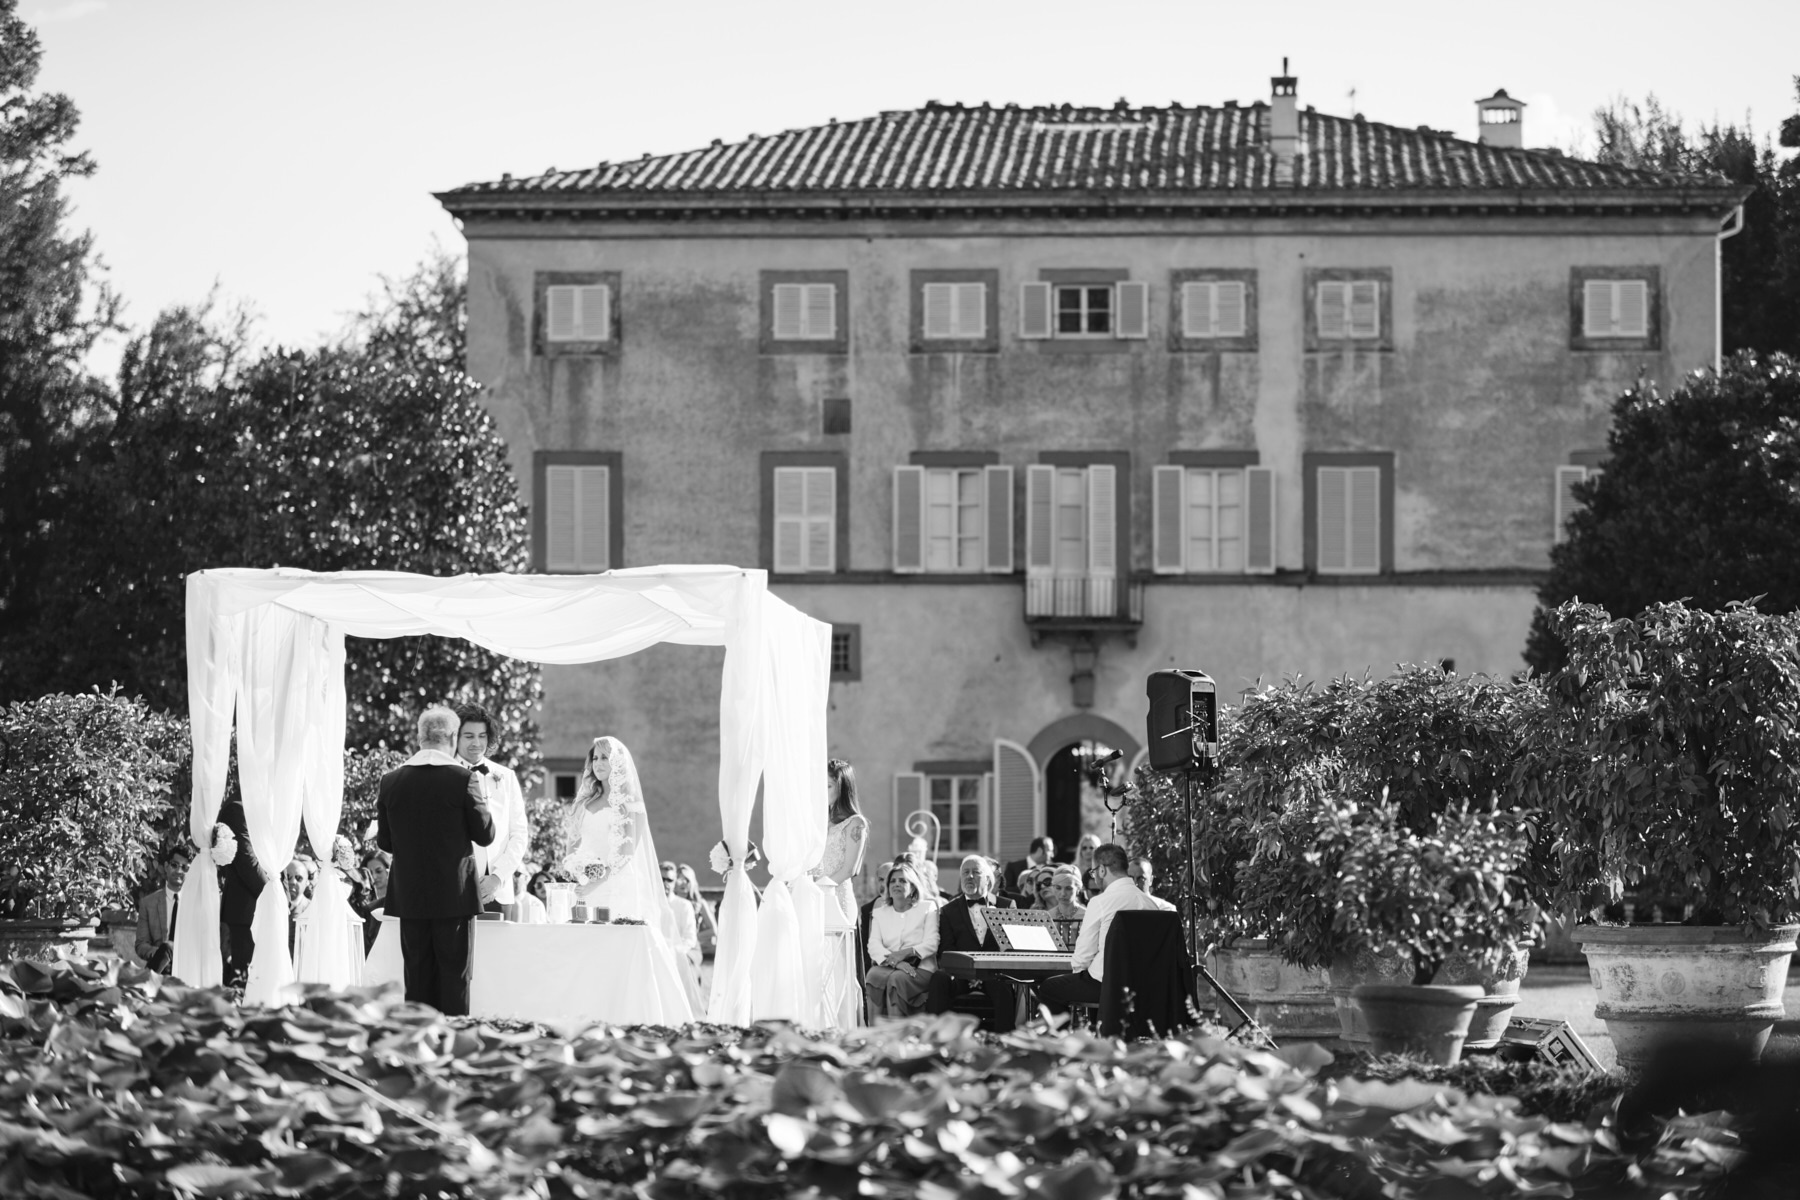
801,1087
304,1171
789,1134
1077,1181
213,1179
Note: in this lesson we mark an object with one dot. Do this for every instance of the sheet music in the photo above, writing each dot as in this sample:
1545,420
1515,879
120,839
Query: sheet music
1030,937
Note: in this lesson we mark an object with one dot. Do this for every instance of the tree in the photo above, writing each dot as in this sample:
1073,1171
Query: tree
49,318
1700,501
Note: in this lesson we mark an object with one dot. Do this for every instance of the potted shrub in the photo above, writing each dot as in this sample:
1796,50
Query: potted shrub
84,780
1426,898
1676,771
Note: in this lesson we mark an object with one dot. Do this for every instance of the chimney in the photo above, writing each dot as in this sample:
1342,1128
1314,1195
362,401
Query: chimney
1284,123
1501,121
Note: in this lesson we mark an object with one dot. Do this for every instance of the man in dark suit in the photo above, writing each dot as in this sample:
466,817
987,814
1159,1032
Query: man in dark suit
962,927
241,881
430,815
1042,852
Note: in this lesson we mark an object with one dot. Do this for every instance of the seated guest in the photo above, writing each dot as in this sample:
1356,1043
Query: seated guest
903,941
156,912
961,926
296,879
1066,894
374,895
687,936
533,909
866,912
1040,854
1037,885
1082,985
1084,862
1144,876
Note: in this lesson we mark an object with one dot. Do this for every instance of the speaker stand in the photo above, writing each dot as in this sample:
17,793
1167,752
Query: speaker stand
1204,769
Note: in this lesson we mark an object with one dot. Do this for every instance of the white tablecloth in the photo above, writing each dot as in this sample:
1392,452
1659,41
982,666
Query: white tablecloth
561,975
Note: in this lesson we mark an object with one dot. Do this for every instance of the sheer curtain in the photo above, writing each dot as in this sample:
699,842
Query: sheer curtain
331,950
740,763
212,692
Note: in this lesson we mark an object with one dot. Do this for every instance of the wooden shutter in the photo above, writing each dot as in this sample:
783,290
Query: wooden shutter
1598,318
789,306
1632,308
1168,519
1040,519
1333,519
577,526
560,326
821,519
1365,309
1134,310
997,520
1229,309
559,518
940,315
1566,503
910,795
593,313
1017,813
1332,311
1365,519
1034,310
1196,309
1259,520
1103,539
909,519
790,518
820,319
971,311
592,527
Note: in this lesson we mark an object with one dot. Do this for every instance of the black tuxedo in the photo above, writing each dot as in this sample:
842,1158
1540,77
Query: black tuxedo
956,931
240,883
427,820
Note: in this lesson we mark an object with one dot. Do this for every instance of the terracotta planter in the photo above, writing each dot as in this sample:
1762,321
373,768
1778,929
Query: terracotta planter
51,937
1288,1001
1347,974
1499,983
1667,983
1427,1021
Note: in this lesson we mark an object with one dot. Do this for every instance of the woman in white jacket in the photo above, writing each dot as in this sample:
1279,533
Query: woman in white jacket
903,942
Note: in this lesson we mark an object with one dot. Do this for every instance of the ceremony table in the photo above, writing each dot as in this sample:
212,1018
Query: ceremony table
560,975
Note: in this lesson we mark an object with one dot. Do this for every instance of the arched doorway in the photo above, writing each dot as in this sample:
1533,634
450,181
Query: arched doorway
1072,804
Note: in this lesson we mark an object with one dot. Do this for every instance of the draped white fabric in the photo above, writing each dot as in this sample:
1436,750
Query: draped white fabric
270,643
328,936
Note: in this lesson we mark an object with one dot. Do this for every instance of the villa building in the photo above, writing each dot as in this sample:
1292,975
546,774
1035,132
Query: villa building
1030,402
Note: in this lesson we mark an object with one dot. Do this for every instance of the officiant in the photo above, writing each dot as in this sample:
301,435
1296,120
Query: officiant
497,864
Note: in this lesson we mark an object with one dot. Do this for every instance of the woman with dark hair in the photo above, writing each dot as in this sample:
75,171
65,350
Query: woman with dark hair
375,864
532,910
846,838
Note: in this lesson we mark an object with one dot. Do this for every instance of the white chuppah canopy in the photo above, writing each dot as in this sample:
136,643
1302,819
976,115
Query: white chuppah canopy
267,646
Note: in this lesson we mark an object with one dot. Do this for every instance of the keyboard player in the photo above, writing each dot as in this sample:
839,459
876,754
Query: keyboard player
1118,894
961,926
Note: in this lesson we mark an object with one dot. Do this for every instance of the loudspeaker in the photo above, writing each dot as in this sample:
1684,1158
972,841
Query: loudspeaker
1551,1041
1182,726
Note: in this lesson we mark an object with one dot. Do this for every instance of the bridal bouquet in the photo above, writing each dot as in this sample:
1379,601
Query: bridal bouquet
615,850
224,846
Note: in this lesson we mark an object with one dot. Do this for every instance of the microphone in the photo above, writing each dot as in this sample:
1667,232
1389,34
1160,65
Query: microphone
1113,757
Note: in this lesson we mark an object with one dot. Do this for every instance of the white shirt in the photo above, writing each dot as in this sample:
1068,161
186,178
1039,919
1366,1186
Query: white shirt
1162,904
1121,895
916,929
512,832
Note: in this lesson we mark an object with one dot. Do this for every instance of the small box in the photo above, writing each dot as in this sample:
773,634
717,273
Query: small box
1552,1041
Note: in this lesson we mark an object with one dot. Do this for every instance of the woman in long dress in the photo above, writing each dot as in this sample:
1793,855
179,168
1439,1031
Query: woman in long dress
613,857
845,841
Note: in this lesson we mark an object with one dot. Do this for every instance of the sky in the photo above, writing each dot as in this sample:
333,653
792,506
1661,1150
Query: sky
285,152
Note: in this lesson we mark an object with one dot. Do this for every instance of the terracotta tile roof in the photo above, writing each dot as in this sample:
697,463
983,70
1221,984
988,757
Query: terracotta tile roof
981,150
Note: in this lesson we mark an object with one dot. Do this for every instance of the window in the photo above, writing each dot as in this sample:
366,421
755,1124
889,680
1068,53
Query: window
953,513
1349,513
846,653
562,776
1615,308
1212,308
1084,308
957,802
805,312
955,311
1075,522
575,312
1214,517
1567,504
1349,306
805,511
577,526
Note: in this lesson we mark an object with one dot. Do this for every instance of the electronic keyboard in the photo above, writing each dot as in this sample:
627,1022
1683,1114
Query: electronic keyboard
1020,964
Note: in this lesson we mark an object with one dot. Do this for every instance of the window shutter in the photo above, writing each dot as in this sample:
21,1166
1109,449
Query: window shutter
1103,538
1259,520
1229,314
593,528
1134,310
910,796
1333,519
1040,519
940,303
790,519
1168,519
786,325
1365,309
1598,318
1632,308
1034,310
971,310
1196,309
820,319
1015,800
559,518
909,519
1365,519
1566,503
997,499
561,303
1332,311
593,313
821,514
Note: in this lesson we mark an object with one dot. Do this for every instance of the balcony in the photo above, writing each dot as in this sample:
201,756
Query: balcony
1083,605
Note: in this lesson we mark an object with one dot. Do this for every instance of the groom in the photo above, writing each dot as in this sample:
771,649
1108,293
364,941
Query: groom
430,816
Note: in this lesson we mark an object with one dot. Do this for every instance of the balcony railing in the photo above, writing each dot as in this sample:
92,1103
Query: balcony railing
1084,600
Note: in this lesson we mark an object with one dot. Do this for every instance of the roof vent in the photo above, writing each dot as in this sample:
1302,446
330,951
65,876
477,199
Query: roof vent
1231,104
1500,121
506,177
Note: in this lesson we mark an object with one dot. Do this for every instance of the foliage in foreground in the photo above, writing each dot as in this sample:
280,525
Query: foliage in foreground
118,1083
